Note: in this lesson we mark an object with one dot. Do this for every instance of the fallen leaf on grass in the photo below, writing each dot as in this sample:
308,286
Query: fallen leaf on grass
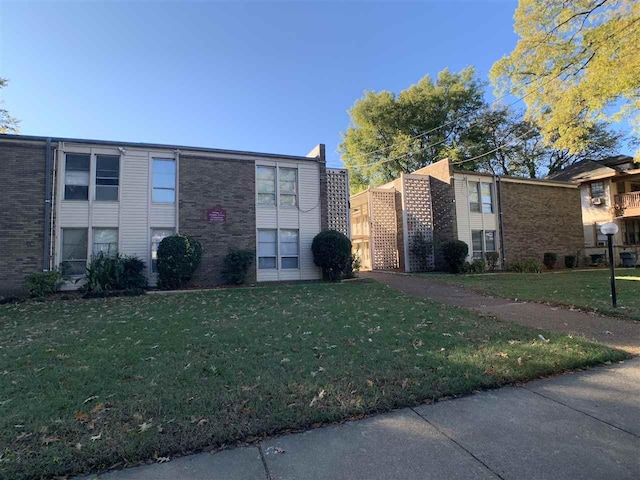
315,399
96,437
144,426
81,416
541,337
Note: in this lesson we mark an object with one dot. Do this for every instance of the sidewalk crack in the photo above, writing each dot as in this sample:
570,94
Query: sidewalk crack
580,411
264,462
459,445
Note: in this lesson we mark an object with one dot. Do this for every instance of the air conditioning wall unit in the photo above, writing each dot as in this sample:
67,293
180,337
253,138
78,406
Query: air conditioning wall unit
597,201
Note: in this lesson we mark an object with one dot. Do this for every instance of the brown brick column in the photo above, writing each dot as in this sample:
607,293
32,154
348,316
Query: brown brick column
206,183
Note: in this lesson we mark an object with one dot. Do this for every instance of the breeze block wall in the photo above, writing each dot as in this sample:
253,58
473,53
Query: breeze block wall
444,218
539,219
22,192
206,183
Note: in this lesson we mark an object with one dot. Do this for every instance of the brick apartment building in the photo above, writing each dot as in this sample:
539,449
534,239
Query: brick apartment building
65,199
518,218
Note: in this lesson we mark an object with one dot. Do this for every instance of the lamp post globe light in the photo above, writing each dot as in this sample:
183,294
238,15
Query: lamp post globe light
610,229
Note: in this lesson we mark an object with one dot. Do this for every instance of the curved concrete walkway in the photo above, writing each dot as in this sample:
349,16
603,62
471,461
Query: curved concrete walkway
618,333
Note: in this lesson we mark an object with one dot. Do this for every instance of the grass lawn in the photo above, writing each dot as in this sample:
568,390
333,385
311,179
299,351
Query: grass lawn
587,290
86,384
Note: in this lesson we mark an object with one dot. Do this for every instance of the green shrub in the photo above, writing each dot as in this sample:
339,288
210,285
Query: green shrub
114,272
42,284
492,259
478,266
103,272
178,258
455,252
550,260
421,249
529,265
332,252
132,275
569,261
236,266
353,267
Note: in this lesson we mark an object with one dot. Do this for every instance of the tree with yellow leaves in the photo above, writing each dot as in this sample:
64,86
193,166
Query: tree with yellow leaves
577,63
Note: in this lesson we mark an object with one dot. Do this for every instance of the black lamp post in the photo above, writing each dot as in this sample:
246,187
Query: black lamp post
610,229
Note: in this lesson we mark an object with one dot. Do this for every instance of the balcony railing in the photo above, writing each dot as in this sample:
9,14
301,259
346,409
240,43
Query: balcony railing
627,204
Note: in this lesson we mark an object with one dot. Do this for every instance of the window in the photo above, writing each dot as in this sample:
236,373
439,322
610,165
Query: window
476,241
631,231
289,249
74,251
490,241
76,177
157,234
483,241
487,197
105,240
601,238
266,185
107,177
267,250
164,180
288,186
597,189
474,196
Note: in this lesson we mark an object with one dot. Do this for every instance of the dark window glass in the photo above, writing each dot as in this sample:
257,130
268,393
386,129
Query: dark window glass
474,196
76,177
107,177
74,251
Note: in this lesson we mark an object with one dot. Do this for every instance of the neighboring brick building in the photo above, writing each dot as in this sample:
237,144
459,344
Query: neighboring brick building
22,210
123,196
515,217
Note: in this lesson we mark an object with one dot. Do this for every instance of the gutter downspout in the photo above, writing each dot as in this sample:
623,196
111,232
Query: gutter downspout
503,258
47,208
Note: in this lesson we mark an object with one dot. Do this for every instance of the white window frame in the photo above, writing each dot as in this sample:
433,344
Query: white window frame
64,178
279,251
93,240
295,188
275,187
77,260
95,175
276,244
175,180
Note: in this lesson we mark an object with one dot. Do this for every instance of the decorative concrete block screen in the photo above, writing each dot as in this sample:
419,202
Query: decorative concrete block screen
419,220
338,200
383,229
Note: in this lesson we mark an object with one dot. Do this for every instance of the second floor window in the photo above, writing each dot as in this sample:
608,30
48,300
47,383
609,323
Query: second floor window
76,177
597,190
481,197
288,178
164,180
266,177
107,177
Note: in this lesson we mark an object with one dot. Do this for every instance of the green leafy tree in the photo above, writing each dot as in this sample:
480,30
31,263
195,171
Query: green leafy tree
393,133
8,124
577,65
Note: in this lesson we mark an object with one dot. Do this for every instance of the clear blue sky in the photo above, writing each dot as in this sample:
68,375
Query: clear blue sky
264,76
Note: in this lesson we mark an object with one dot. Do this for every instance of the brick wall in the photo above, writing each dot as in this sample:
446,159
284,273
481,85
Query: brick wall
207,183
539,219
21,213
444,218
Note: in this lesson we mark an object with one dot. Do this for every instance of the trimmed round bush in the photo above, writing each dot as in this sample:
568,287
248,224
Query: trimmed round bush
332,252
236,266
570,261
455,253
178,258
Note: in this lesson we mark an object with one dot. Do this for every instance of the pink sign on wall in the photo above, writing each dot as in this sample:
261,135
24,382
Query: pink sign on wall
217,215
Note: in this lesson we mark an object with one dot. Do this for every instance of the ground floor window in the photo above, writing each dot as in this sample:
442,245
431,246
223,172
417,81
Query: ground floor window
283,245
631,232
267,249
289,249
105,240
482,242
157,235
74,251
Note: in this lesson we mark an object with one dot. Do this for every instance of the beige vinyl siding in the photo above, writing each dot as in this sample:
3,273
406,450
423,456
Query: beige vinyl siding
74,213
162,215
134,196
105,214
467,221
305,217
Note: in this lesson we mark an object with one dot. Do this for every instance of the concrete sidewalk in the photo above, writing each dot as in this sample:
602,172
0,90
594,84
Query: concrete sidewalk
618,333
582,425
